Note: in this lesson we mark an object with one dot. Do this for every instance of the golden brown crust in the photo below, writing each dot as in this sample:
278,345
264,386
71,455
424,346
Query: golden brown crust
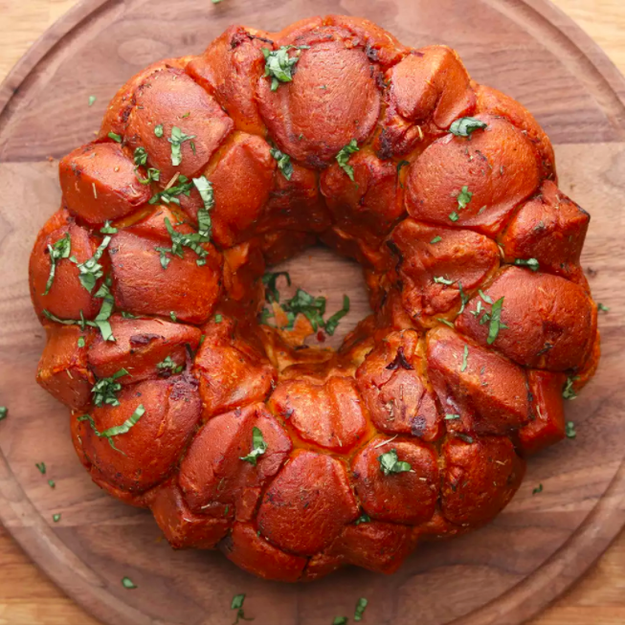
293,461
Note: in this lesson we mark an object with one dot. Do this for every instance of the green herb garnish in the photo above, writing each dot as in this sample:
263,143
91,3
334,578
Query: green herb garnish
464,197
140,156
464,126
284,162
117,429
171,194
176,139
333,321
259,447
452,417
570,430
538,489
363,518
51,483
390,463
279,64
92,99
42,467
105,390
531,263
128,583
495,321
179,241
60,249
115,137
169,364
4,411
465,359
269,280
154,175
313,308
339,620
237,604
158,130
56,517
602,307
218,318
342,158
107,228
442,280
81,341
361,605
436,240
91,270
172,316
568,392
205,189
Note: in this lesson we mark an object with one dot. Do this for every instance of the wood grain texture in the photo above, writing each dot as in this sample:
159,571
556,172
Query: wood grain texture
595,170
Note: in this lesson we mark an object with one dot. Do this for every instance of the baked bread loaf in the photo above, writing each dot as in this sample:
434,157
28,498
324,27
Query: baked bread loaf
150,281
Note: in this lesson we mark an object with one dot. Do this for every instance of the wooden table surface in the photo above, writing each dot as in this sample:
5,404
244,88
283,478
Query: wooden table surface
27,597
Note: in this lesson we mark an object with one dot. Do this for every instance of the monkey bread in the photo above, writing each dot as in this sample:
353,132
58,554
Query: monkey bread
194,393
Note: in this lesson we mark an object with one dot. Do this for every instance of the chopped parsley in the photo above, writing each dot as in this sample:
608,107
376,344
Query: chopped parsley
58,250
465,359
361,606
169,365
363,518
269,280
91,270
538,489
342,158
81,341
569,429
284,162
172,316
339,620
158,130
436,240
390,463
117,429
530,263
218,318
4,411
51,483
452,417
259,447
128,583
602,307
56,517
279,64
105,390
113,135
568,392
465,126
333,321
92,99
176,139
42,467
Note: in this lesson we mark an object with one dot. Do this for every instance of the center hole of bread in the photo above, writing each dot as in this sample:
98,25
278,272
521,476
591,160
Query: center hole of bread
321,272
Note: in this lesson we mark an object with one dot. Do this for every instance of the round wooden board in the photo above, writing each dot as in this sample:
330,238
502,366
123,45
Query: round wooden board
504,573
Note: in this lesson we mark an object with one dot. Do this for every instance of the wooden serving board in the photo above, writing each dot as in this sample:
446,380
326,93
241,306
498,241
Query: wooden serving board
504,573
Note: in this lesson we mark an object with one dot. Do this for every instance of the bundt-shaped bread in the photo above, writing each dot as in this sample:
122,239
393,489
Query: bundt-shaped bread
150,281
